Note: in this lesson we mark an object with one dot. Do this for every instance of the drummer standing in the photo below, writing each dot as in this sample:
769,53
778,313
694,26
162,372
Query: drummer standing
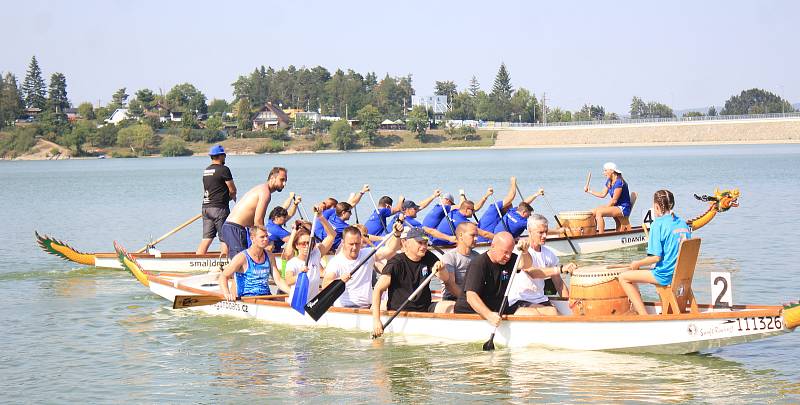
526,295
620,204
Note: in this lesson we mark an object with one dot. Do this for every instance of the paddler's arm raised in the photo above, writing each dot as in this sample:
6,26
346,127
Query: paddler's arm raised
356,198
276,274
439,235
508,200
330,234
479,204
533,197
393,244
291,204
399,205
426,202
235,265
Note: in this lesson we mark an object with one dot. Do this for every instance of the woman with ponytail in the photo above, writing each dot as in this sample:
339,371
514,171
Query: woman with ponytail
666,233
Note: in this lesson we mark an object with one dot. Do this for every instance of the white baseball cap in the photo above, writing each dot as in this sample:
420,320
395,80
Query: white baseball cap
612,166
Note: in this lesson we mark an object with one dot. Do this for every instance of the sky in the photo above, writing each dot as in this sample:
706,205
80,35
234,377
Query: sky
686,54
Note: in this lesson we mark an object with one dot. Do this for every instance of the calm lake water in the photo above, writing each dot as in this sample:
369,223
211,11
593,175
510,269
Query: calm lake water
78,334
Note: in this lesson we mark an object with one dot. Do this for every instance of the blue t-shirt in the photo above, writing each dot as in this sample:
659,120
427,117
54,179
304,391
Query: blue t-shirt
515,222
319,231
276,235
254,280
412,222
435,216
666,233
444,227
376,224
624,201
338,225
490,218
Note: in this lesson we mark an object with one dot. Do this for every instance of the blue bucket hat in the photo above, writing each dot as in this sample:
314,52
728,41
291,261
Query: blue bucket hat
216,150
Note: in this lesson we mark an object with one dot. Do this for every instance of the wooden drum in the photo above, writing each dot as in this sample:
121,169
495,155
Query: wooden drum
578,223
595,290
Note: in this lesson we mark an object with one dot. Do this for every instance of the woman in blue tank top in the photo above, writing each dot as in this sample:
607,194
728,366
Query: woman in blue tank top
666,234
252,267
617,188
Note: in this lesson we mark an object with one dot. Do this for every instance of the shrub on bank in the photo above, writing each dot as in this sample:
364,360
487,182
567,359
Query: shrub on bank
271,147
174,146
123,154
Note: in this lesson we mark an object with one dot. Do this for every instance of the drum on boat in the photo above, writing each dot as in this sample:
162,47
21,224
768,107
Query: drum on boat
578,223
595,290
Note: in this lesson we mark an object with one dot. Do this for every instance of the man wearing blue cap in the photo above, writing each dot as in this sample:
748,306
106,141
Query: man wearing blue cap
218,191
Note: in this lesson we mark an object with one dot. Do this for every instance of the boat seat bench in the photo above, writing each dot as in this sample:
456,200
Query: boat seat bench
678,295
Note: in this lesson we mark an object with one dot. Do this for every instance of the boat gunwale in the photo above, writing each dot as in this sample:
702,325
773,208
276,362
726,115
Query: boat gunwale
737,310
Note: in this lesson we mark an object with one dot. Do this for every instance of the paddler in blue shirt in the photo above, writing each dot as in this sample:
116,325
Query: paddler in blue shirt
436,214
330,204
252,267
444,234
410,210
376,223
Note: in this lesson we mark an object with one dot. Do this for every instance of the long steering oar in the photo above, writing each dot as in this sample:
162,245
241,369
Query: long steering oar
320,304
300,296
558,221
377,213
410,298
489,345
168,234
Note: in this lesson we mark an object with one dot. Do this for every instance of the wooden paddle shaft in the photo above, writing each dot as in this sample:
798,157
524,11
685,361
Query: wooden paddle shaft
168,234
588,179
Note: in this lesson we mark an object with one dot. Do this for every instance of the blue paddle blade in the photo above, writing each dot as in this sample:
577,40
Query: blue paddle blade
300,296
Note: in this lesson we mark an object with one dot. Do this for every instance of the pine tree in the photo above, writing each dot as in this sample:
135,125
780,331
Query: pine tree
57,101
502,85
33,86
474,86
11,103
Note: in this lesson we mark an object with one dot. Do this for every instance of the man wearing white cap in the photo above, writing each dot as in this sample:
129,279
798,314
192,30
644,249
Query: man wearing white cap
617,187
218,191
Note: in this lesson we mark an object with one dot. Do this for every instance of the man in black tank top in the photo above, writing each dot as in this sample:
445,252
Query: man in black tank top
218,191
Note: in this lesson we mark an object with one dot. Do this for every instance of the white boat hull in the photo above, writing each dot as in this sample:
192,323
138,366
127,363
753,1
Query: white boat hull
663,334
167,262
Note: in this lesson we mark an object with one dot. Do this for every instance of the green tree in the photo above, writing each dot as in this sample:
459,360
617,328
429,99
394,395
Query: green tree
11,103
33,86
118,99
693,114
474,86
712,111
370,120
524,106
638,108
80,133
138,136
243,114
658,110
446,88
756,101
418,122
214,123
146,97
342,135
86,110
501,94
103,137
135,108
187,98
57,100
217,106
462,107
174,146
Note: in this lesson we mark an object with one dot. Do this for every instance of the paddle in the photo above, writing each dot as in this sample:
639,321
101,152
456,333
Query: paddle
377,213
299,211
489,345
300,296
320,304
588,179
186,301
168,234
566,234
464,196
447,217
494,204
410,298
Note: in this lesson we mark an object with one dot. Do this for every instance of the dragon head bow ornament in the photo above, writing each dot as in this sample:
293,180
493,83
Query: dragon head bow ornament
721,201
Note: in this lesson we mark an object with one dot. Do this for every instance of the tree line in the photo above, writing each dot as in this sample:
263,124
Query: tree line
346,94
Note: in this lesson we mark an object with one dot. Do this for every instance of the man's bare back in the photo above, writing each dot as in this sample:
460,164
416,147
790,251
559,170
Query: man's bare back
252,207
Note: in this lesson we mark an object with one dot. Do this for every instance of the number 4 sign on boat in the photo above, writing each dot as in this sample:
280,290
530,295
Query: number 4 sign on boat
721,289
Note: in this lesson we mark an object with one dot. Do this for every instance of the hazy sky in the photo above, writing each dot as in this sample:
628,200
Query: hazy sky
684,54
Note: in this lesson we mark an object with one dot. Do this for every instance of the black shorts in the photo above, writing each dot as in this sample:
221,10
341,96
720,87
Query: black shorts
525,304
236,237
213,218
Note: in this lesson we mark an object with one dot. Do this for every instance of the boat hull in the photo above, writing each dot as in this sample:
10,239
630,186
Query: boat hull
655,333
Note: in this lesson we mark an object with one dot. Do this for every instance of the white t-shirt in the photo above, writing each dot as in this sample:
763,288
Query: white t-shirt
527,288
358,290
295,264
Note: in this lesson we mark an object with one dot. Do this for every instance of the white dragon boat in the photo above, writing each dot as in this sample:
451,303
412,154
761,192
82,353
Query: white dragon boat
181,262
704,328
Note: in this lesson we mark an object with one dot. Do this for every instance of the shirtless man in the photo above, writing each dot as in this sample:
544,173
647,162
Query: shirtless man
250,211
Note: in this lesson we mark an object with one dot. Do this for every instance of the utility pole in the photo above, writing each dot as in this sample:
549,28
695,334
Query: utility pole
544,108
